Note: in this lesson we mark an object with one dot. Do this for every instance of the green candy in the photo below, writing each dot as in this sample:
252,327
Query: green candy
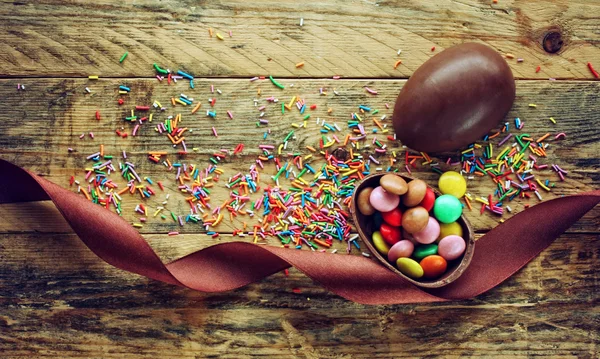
424,250
447,208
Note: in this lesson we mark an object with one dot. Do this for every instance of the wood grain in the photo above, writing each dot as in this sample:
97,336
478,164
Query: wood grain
48,118
81,307
357,39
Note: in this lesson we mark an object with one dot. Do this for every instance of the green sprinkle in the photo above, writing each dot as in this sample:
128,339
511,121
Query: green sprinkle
288,136
276,83
162,71
282,108
174,216
306,117
124,56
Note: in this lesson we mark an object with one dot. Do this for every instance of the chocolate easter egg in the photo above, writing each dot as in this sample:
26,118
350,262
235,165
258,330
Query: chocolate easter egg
454,99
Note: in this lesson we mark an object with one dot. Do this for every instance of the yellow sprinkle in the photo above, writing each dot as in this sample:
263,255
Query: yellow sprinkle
532,105
307,157
300,64
137,225
93,77
291,102
295,125
180,102
279,149
219,36
542,185
123,92
553,120
158,104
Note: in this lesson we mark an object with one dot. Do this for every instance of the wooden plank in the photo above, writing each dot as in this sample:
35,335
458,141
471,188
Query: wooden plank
50,115
82,38
59,300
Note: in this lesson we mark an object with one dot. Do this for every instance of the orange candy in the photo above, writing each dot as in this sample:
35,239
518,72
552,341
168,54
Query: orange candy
433,266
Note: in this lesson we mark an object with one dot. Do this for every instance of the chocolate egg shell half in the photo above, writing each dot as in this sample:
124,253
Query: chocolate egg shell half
454,99
365,226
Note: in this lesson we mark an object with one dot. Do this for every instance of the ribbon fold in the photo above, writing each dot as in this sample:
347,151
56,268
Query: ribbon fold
227,266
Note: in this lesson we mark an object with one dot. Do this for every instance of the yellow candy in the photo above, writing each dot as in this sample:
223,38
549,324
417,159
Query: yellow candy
410,267
447,229
381,246
452,183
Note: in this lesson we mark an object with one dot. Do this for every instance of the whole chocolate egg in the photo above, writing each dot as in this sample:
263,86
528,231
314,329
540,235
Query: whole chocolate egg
454,99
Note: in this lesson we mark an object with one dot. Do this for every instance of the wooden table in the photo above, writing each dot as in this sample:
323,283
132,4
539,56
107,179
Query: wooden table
59,300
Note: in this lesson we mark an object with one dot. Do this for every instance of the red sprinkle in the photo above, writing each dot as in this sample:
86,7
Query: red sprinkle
537,69
433,48
142,108
121,101
594,72
98,115
296,290
71,180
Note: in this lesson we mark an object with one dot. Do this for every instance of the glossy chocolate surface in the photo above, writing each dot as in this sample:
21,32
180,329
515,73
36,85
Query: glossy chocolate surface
454,99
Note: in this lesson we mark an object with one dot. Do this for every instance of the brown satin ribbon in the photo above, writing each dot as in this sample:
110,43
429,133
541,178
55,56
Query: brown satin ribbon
222,267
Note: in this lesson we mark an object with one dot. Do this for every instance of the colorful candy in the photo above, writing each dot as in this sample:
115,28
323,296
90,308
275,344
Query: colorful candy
394,184
425,250
391,235
393,217
447,208
447,229
451,247
433,266
415,219
403,248
379,243
406,233
382,200
430,233
410,267
452,183
415,194
363,202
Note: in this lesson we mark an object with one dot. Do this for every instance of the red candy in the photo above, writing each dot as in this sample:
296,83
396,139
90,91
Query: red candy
391,235
393,217
429,200
433,266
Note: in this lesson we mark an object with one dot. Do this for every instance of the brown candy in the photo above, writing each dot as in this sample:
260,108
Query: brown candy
363,203
415,219
454,99
415,194
393,184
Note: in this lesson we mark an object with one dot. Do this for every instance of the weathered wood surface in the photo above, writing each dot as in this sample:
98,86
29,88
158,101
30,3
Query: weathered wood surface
59,300
351,39
63,110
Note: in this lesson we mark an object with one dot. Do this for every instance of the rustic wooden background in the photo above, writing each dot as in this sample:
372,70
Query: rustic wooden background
58,300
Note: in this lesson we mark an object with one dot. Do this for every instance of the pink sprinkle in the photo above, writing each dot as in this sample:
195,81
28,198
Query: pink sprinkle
372,92
82,135
560,135
173,233
159,78
212,88
387,105
262,108
408,169
230,33
70,149
135,130
253,79
92,135
230,114
143,219
215,132
336,77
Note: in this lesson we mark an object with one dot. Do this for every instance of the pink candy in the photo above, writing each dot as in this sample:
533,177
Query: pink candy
382,200
451,247
401,249
429,234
